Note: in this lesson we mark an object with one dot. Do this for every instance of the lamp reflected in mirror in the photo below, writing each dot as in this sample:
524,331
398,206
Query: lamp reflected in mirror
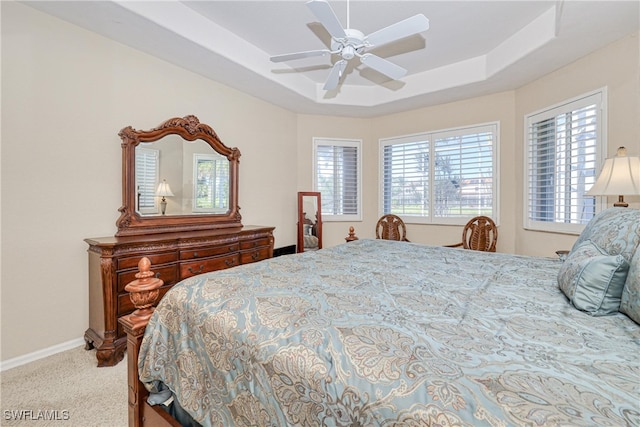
164,191
620,176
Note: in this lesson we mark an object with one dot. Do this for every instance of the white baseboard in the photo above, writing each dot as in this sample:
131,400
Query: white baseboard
40,354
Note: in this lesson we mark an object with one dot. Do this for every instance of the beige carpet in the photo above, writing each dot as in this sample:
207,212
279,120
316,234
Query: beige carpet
67,385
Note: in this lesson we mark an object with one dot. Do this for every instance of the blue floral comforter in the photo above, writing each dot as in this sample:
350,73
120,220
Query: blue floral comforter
385,333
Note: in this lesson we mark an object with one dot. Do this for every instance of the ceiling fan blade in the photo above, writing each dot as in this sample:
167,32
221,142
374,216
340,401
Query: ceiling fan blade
298,55
408,27
335,74
327,17
383,66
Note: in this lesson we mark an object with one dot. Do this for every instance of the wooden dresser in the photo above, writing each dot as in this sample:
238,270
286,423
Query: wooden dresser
113,262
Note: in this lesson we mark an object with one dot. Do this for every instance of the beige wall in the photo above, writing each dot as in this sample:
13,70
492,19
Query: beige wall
67,92
492,108
617,67
333,233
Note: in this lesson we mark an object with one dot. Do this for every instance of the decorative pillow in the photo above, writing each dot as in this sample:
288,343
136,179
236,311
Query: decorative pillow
630,303
616,230
592,280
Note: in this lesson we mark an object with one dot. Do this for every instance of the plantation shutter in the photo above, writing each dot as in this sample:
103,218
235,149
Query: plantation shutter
463,173
562,158
405,180
337,178
443,177
211,183
146,179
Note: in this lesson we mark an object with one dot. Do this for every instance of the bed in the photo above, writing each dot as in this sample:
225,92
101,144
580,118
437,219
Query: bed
387,333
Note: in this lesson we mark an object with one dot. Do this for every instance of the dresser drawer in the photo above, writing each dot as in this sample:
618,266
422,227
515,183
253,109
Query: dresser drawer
207,252
250,244
188,269
259,254
156,259
168,274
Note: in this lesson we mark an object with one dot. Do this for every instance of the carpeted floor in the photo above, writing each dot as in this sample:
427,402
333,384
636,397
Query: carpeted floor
68,386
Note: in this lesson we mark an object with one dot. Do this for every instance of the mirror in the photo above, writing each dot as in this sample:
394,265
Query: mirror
178,176
309,221
174,178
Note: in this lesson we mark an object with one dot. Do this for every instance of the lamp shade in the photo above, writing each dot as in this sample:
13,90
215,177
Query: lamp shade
163,189
620,175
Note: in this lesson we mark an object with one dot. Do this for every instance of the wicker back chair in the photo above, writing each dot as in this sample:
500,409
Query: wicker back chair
480,234
391,227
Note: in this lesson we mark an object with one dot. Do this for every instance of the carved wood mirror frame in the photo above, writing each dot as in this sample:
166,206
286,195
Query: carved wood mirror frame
190,129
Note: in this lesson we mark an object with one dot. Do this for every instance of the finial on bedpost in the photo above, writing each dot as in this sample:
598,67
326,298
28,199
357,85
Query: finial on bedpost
352,235
144,292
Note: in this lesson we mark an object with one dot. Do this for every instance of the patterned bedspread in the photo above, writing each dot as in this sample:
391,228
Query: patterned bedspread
385,333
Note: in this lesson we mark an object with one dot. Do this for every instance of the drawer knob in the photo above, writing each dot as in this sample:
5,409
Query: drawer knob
158,275
195,254
196,272
230,262
255,255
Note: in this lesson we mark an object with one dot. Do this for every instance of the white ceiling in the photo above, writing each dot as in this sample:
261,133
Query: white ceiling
471,48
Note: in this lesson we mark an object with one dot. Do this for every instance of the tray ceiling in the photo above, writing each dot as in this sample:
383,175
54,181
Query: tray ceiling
471,48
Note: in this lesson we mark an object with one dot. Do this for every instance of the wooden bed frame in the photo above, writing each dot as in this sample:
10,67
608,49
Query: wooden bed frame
144,292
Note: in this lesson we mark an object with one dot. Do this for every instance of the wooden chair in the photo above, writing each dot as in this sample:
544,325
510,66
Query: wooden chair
480,234
391,227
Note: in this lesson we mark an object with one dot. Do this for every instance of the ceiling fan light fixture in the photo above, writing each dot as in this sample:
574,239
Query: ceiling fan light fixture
348,52
348,42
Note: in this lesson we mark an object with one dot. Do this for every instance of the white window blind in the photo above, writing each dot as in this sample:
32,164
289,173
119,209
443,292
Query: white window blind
337,177
564,147
463,173
440,177
147,179
405,179
211,183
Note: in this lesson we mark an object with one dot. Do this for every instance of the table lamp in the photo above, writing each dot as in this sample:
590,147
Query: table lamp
164,191
620,176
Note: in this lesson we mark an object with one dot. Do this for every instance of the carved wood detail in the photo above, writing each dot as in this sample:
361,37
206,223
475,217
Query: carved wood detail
178,255
188,128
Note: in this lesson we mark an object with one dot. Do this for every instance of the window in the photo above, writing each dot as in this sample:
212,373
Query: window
564,147
146,180
337,177
442,177
211,183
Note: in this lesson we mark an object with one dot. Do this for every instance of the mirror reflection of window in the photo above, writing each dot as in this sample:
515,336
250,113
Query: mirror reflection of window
211,188
147,160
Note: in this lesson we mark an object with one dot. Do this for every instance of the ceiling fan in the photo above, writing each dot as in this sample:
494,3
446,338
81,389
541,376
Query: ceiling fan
349,43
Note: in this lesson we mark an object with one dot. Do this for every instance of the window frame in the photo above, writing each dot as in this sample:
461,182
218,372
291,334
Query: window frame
216,159
339,142
430,137
599,97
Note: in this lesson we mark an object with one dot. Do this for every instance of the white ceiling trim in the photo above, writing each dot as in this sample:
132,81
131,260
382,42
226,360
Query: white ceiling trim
536,34
193,27
230,42
190,25
533,36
